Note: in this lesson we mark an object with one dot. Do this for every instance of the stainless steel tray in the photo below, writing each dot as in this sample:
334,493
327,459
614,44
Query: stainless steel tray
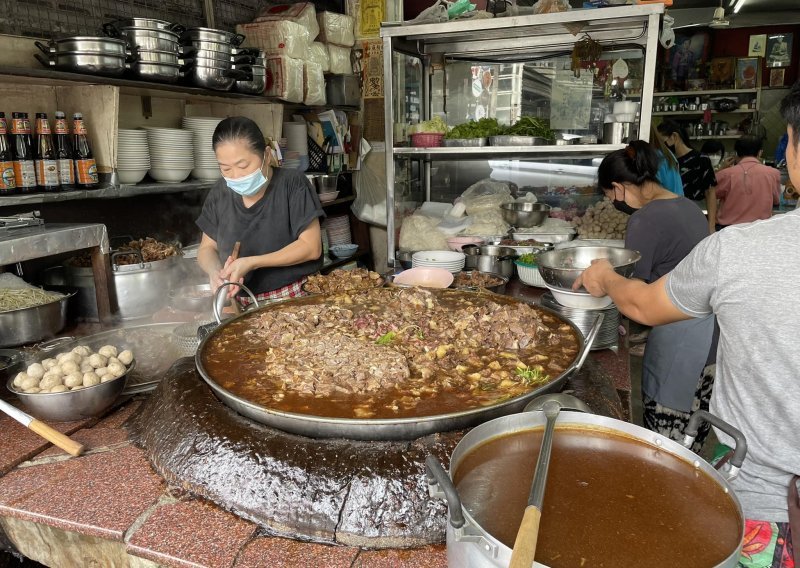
464,142
518,141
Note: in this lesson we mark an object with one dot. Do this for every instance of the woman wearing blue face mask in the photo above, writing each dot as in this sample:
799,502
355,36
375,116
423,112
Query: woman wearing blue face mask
273,212
677,369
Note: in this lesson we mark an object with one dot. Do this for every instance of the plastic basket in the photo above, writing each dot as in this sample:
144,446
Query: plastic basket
426,140
317,161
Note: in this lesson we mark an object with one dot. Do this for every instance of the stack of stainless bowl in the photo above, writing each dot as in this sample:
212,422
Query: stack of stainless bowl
86,54
156,44
258,81
213,60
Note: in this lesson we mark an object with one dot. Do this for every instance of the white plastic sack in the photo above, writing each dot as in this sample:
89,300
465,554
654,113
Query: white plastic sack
488,223
276,38
369,205
486,195
318,53
284,78
302,13
336,28
313,84
340,59
419,232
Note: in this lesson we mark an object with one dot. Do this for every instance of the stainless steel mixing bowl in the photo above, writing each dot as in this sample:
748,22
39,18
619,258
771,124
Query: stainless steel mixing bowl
525,215
560,268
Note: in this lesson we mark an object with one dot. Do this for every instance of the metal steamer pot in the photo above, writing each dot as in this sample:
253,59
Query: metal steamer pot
85,44
141,288
209,34
490,258
86,62
471,546
384,428
28,325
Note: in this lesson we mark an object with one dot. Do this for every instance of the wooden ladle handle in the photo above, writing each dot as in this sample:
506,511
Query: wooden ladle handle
56,438
524,551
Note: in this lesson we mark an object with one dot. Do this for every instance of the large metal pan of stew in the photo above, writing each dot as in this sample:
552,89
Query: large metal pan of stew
388,363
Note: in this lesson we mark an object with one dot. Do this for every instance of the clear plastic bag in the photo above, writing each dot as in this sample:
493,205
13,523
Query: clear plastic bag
485,195
369,205
419,232
336,28
313,84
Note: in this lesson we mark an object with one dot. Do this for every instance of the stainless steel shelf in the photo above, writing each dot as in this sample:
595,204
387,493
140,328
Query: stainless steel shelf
707,92
701,112
105,192
478,152
725,137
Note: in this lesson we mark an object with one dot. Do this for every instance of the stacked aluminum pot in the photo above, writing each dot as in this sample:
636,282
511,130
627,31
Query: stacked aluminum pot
258,81
156,45
213,58
86,54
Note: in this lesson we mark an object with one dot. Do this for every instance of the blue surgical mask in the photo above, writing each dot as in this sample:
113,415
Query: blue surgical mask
248,185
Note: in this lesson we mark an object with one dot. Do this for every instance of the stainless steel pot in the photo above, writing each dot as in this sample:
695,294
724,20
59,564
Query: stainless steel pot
470,546
85,44
209,34
256,85
490,258
215,46
93,63
148,23
158,56
152,39
385,428
217,78
140,288
618,132
160,72
28,325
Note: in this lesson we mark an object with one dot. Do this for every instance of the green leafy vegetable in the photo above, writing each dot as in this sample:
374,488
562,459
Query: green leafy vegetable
530,126
531,376
527,258
482,128
386,338
434,126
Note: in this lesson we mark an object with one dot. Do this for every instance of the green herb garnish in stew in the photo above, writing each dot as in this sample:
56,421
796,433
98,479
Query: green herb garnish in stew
531,375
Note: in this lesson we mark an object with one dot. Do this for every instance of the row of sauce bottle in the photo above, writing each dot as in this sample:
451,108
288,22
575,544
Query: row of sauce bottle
45,161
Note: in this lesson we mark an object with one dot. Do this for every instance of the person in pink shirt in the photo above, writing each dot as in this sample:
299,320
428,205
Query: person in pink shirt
746,191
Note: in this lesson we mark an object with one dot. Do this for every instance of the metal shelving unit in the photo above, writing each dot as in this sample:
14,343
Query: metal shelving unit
509,40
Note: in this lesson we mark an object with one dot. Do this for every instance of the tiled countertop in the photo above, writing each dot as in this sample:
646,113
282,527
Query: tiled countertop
109,508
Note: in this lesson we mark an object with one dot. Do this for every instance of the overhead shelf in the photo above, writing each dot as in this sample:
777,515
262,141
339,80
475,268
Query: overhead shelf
488,152
105,192
707,92
701,112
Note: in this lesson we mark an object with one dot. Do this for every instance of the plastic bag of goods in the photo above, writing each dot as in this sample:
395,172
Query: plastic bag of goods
318,53
602,221
313,84
340,59
487,223
419,232
336,28
276,38
302,13
284,78
369,205
486,195
551,6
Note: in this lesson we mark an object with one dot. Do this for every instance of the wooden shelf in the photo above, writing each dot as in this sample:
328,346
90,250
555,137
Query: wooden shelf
707,92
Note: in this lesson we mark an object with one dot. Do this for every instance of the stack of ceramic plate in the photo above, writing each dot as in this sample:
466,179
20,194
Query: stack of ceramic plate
449,260
171,154
133,156
608,335
338,229
205,161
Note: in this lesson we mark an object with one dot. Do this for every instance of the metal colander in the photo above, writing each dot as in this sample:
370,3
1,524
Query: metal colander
185,337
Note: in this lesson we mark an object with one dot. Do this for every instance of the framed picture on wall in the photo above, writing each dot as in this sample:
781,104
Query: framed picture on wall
779,50
687,57
723,71
747,72
776,77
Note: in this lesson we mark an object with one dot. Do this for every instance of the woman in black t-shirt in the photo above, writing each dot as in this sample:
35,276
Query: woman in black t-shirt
272,212
697,173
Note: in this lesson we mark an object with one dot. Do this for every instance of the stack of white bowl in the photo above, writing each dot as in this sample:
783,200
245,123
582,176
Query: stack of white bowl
171,154
133,156
449,260
206,166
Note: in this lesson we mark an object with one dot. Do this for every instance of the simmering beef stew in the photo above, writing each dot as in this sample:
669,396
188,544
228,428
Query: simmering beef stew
611,501
389,352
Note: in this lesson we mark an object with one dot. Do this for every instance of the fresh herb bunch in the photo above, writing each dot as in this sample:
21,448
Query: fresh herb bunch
436,125
528,258
482,128
530,126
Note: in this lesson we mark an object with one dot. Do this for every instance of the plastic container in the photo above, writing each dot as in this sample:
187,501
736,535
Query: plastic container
426,140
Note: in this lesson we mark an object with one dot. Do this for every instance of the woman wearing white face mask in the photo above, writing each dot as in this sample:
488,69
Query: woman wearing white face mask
273,212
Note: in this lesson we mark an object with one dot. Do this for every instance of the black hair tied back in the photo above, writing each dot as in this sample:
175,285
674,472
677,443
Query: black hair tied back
239,129
637,163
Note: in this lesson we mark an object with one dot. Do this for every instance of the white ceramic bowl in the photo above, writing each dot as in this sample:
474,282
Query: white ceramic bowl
328,196
580,300
344,251
439,256
129,177
169,175
426,277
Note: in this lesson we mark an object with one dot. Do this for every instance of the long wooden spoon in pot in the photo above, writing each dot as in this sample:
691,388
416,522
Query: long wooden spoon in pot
524,552
50,434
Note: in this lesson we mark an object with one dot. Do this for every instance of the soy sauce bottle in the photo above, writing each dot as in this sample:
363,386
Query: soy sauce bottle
63,148
85,166
22,148
46,165
8,182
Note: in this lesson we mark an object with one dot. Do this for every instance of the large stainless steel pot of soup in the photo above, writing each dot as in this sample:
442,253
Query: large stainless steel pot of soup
232,359
617,495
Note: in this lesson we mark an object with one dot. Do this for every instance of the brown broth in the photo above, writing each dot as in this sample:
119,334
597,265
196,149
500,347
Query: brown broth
235,363
611,501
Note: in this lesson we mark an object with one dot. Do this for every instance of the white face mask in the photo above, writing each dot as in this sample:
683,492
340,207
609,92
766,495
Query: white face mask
715,159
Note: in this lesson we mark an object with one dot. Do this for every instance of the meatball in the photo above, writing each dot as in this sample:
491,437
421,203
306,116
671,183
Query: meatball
86,367
96,360
36,371
32,390
117,369
29,383
108,351
69,367
107,377
73,379
90,379
82,350
49,363
126,357
19,378
50,380
59,388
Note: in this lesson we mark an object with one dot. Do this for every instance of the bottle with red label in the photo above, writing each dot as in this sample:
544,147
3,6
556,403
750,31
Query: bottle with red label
85,166
45,161
22,148
63,147
8,182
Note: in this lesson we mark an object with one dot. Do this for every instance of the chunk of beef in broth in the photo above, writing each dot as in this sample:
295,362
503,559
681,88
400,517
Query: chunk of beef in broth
330,364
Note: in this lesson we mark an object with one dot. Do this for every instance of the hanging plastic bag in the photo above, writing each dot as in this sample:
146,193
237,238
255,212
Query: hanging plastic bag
369,205
485,195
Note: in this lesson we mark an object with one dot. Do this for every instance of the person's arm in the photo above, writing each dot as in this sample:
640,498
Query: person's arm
208,259
647,304
308,246
776,189
711,205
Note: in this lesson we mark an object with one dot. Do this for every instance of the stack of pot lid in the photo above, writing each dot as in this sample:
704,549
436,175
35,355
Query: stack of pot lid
85,54
156,45
584,319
